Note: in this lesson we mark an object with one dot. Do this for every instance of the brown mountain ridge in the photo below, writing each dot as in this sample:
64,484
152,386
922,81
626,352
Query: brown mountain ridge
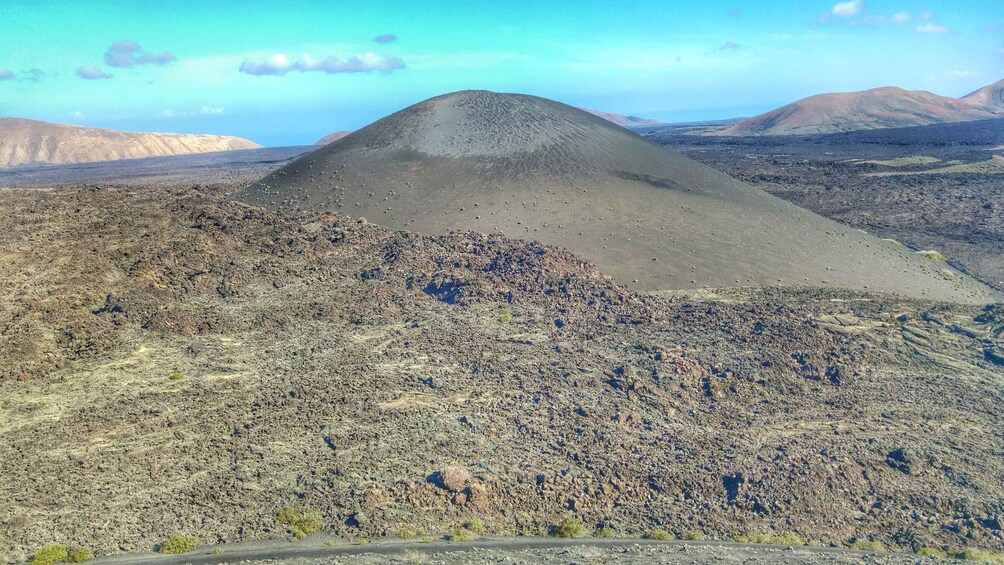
878,108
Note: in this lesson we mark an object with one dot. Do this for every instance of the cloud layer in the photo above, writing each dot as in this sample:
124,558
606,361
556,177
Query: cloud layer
6,74
845,9
931,27
125,54
385,38
279,64
89,72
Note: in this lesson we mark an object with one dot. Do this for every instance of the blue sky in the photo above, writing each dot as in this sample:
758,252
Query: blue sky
282,75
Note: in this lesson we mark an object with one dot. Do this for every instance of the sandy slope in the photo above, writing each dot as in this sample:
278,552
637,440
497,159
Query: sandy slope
534,168
28,141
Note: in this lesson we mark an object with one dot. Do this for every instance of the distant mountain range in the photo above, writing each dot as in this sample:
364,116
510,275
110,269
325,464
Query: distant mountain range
886,107
624,121
29,141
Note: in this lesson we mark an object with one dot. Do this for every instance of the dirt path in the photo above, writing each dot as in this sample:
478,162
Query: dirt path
515,549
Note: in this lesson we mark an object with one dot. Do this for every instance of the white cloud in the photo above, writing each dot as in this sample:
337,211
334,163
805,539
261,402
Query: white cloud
210,111
89,72
927,15
77,114
167,113
279,64
900,18
845,9
931,27
125,54
959,73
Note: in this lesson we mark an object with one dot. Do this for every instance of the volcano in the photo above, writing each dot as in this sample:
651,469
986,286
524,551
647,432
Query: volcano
537,169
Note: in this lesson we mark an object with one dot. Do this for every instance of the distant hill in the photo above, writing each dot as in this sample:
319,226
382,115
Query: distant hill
332,137
29,141
886,107
624,121
990,96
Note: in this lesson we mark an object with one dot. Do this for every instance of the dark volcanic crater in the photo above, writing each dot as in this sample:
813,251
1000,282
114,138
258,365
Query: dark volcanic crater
537,169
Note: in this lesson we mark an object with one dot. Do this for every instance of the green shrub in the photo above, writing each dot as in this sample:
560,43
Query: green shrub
476,526
505,314
50,554
570,527
300,523
866,545
462,534
605,532
427,539
692,536
178,543
980,555
407,534
787,538
933,255
177,376
931,552
659,535
79,555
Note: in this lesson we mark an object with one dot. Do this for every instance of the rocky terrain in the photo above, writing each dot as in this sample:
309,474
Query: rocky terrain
934,187
29,141
534,168
177,362
886,107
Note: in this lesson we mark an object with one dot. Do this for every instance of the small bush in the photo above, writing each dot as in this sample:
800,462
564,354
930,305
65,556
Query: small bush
177,376
476,526
178,543
505,314
659,535
300,523
462,534
50,554
980,555
933,255
217,551
787,538
931,552
605,532
865,545
692,536
79,555
407,534
427,539
570,527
